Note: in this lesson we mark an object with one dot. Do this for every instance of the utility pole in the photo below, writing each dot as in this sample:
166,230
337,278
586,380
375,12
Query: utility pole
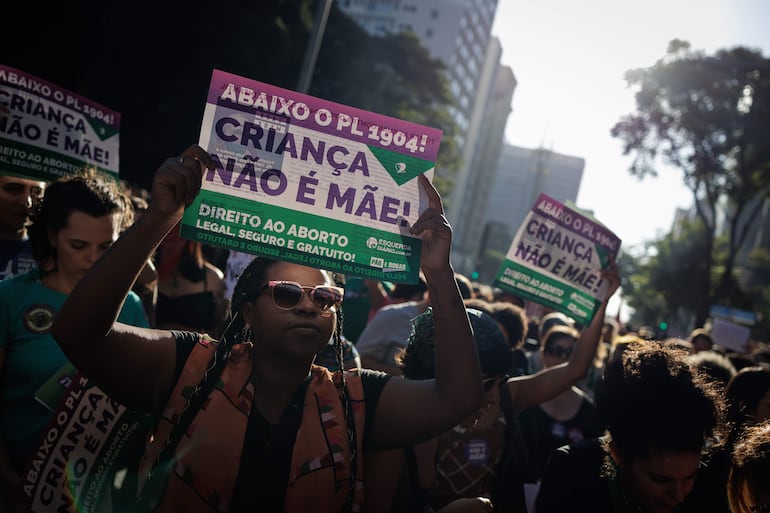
314,45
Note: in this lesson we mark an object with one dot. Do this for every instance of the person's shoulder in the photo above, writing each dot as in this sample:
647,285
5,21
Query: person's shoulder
405,309
707,493
133,311
214,272
373,377
573,480
586,451
383,317
19,281
133,301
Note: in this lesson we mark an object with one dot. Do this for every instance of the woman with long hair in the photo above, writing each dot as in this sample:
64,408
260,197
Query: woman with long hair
79,217
248,423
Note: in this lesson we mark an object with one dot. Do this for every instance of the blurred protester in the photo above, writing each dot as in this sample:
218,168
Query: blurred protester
660,416
748,403
77,220
504,295
701,340
748,488
610,331
387,332
714,366
465,285
191,290
327,357
249,423
548,321
18,196
482,457
623,344
569,417
678,343
513,321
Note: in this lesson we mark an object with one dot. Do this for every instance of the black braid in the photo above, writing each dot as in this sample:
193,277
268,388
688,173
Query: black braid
349,418
244,291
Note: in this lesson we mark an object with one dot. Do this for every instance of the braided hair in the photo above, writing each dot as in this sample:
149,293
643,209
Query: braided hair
249,284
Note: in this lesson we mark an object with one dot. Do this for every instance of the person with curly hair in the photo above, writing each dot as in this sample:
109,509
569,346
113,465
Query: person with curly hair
661,415
248,422
748,486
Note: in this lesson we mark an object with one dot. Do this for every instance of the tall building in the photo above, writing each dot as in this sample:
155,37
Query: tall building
454,31
475,179
521,175
458,32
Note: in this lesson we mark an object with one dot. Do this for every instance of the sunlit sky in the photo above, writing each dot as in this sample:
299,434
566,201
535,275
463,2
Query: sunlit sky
569,59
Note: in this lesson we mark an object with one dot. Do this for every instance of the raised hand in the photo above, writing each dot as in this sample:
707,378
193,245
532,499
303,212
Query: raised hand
178,181
611,275
434,230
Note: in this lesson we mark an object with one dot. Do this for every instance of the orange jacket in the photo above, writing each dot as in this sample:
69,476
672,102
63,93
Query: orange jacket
207,458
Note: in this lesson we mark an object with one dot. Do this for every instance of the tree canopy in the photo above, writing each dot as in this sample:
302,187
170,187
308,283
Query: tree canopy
393,75
152,62
708,116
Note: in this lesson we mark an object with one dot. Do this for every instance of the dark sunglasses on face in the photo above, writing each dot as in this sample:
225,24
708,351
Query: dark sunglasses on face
288,294
559,351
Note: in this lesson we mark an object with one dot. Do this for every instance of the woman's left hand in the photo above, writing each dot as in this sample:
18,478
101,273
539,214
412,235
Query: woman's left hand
612,276
434,230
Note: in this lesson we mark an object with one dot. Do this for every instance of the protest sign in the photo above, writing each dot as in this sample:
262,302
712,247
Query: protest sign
310,181
90,440
730,335
48,132
556,259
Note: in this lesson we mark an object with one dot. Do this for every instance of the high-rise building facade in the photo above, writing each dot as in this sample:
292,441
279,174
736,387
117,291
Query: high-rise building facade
458,32
521,175
454,31
475,179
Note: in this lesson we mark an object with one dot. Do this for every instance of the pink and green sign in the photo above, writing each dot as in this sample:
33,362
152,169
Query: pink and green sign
47,132
556,259
310,181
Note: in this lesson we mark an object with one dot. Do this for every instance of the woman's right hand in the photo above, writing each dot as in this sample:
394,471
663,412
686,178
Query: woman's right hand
178,181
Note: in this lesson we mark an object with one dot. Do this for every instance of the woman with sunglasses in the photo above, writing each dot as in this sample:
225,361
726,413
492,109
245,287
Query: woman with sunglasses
472,477
262,428
569,417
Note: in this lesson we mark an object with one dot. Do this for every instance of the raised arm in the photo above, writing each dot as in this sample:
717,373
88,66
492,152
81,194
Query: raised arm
133,365
527,391
411,411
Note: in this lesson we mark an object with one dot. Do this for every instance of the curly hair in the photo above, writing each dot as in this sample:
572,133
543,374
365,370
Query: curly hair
651,399
749,470
743,393
88,192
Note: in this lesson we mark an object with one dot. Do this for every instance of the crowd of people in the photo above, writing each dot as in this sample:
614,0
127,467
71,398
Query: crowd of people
440,396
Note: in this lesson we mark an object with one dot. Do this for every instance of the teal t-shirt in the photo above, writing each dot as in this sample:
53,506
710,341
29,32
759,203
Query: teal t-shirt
32,356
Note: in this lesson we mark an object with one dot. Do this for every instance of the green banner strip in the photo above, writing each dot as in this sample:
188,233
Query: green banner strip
284,234
540,288
40,164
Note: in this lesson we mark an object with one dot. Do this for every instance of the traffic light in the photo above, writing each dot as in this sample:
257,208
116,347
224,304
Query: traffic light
663,325
475,275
